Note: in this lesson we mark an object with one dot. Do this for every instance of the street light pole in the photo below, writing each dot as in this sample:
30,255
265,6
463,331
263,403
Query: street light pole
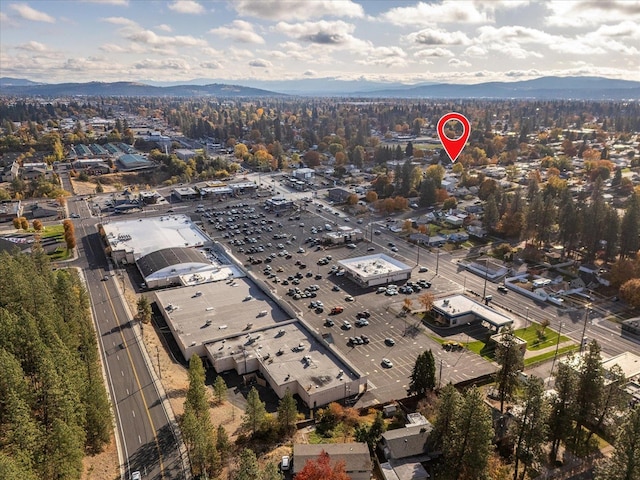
526,324
553,364
584,328
437,259
486,274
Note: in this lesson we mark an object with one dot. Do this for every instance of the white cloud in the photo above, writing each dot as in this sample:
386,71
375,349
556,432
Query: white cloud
125,22
449,11
147,37
260,63
32,46
582,13
475,51
456,62
190,7
239,31
385,56
162,64
297,10
163,27
114,48
28,13
436,36
211,65
121,3
327,33
434,52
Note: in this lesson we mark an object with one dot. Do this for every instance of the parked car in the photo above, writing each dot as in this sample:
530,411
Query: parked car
389,341
346,325
386,363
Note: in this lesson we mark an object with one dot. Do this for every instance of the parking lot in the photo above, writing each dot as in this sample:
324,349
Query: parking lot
281,250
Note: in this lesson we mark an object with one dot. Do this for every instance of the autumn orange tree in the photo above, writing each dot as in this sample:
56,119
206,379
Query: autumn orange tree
321,469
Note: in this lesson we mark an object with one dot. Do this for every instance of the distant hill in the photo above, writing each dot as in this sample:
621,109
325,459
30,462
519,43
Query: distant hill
15,82
578,88
131,89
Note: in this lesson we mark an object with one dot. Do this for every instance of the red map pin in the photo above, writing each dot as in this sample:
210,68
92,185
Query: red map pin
453,147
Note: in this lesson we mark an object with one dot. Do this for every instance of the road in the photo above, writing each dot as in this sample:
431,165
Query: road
146,434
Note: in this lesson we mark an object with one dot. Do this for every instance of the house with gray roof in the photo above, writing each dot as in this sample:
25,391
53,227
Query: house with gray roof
356,457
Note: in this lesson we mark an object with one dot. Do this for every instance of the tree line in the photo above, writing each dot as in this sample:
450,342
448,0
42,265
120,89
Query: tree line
53,404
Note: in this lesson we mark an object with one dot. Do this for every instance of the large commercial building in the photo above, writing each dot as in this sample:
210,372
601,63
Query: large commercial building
168,250
238,327
373,270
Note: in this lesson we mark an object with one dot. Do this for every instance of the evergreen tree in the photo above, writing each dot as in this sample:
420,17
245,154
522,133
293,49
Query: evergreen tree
220,389
624,464
255,412
423,377
510,359
271,472
562,407
427,193
448,406
223,445
530,427
468,447
590,385
630,228
248,468
491,214
287,413
568,221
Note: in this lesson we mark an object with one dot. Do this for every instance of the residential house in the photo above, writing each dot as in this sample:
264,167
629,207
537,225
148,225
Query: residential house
338,195
405,449
356,457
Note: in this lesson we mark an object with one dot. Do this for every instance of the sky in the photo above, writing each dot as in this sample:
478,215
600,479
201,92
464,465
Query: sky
451,41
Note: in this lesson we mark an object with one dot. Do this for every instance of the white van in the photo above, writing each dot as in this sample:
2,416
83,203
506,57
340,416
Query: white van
285,463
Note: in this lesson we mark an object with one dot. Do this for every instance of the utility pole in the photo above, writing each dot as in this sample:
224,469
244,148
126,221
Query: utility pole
158,358
437,259
587,308
556,354
526,325
440,377
486,274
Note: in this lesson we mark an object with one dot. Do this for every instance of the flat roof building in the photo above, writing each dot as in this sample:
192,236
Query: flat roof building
238,327
378,269
461,310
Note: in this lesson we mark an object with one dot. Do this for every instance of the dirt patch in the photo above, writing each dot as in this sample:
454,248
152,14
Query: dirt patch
103,466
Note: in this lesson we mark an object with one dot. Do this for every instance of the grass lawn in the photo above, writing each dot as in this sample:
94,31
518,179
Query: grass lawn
549,355
530,335
52,231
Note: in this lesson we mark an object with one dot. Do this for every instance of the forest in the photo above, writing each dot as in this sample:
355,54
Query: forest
54,407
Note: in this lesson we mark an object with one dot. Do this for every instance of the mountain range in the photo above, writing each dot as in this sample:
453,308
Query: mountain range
549,88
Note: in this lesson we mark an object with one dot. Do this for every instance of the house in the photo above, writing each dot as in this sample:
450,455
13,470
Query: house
407,442
305,174
338,195
185,154
405,449
33,171
10,209
356,457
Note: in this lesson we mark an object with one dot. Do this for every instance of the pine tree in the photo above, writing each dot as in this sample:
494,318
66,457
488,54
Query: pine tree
423,377
223,445
531,427
590,385
248,468
630,228
271,472
220,389
287,413
624,464
448,406
255,411
511,361
468,446
562,407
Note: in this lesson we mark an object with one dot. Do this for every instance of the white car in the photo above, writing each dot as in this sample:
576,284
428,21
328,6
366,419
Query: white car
285,463
136,475
386,363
